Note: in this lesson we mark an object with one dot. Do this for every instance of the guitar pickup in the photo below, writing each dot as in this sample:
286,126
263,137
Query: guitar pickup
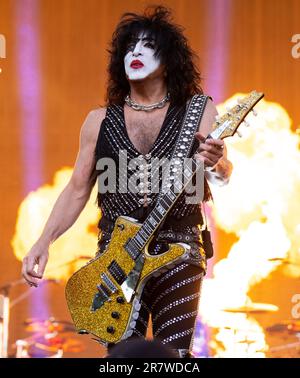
117,272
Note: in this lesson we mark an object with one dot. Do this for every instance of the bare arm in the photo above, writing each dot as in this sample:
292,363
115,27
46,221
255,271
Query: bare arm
70,202
212,152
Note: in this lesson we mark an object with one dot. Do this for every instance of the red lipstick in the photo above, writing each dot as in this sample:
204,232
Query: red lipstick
136,64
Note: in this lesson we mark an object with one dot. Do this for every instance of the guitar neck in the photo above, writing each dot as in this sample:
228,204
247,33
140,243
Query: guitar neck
164,204
226,126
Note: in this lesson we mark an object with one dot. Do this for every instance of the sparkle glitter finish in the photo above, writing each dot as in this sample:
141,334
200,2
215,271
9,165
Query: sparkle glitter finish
82,286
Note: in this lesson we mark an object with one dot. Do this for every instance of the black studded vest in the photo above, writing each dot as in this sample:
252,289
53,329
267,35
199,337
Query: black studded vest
112,138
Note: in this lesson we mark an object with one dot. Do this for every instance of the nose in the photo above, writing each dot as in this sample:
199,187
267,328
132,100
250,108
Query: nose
137,49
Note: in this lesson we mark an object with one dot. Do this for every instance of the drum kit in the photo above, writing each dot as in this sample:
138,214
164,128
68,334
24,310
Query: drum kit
282,330
50,338
279,331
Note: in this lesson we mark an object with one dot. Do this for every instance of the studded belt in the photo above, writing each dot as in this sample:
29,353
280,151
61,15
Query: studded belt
172,234
185,234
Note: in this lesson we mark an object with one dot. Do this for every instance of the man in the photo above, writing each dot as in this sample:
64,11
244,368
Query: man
152,75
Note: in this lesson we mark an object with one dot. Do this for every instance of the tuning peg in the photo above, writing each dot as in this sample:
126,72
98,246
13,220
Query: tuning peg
217,118
239,133
254,112
228,111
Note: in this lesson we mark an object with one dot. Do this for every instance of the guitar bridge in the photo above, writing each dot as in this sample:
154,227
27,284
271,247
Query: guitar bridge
100,298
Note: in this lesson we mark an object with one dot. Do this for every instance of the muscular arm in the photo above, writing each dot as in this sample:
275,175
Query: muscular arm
70,202
212,152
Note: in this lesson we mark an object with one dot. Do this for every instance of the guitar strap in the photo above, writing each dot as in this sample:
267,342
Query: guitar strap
193,115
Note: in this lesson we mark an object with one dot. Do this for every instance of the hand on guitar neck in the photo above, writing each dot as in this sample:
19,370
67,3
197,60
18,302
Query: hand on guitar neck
213,154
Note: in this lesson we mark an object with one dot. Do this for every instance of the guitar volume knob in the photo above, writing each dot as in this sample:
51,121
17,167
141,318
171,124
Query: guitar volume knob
120,300
110,329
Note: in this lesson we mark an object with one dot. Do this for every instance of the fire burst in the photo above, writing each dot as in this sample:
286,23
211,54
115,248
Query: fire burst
72,249
260,206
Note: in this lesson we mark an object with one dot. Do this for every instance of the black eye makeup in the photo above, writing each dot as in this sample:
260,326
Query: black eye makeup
150,44
146,42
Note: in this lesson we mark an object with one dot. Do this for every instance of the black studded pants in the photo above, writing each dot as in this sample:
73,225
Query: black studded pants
172,299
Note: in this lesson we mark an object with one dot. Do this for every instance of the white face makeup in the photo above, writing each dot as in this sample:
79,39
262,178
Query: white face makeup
139,60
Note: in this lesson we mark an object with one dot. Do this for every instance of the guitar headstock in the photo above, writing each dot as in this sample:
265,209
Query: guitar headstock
227,125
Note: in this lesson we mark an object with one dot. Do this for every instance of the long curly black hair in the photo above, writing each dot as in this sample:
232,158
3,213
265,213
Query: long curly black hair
182,76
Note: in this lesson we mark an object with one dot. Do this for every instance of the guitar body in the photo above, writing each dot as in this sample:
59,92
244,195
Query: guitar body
96,295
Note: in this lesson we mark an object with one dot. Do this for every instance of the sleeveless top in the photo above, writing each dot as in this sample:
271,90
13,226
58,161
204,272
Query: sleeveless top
112,138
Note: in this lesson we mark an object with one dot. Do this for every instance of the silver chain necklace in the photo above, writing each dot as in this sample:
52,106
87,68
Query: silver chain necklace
156,105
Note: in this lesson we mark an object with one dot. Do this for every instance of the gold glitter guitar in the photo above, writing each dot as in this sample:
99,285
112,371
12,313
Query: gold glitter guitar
104,296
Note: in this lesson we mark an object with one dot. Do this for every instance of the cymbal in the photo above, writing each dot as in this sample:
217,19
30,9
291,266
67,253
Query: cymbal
283,260
72,346
285,346
48,325
51,343
245,341
292,326
67,345
253,308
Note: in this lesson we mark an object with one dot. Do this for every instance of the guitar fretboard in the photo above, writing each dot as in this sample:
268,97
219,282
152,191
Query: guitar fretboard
165,203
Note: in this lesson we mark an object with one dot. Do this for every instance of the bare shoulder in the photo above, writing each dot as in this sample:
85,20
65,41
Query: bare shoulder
92,123
211,107
208,118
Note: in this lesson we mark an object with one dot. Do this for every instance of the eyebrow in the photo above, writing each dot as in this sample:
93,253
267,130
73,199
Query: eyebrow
143,39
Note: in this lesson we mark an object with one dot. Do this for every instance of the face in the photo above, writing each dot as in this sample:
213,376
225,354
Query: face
139,60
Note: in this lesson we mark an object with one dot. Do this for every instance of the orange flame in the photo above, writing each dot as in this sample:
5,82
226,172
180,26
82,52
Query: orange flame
79,241
260,206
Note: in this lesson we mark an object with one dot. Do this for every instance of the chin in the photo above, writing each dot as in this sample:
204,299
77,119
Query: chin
137,78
